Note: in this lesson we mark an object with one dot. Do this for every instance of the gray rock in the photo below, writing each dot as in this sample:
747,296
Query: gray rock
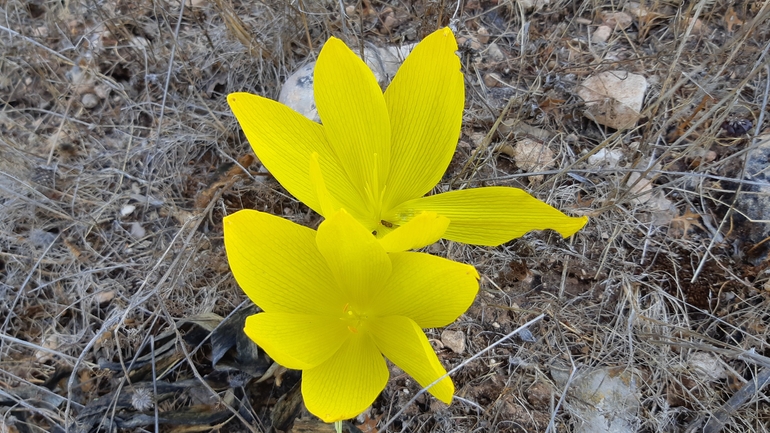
297,91
89,100
602,400
754,199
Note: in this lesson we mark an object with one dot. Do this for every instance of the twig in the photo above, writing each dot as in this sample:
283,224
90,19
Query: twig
462,364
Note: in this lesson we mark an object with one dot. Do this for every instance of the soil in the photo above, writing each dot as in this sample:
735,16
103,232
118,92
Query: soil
119,157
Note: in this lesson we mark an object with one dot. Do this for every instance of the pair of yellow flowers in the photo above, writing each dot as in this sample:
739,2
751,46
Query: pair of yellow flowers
336,300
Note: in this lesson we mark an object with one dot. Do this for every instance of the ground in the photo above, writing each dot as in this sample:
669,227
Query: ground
119,157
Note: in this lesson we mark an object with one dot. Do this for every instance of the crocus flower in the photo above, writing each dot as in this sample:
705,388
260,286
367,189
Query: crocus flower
376,155
335,302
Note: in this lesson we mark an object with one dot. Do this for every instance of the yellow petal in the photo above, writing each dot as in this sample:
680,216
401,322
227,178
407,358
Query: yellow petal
297,341
357,261
425,103
347,383
430,290
490,216
277,264
422,230
283,140
328,204
404,344
354,116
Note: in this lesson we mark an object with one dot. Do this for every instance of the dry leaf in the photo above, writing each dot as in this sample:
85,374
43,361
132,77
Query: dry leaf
731,19
685,221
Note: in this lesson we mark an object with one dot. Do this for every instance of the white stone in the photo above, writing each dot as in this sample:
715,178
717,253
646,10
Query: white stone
127,210
297,92
605,158
495,53
603,400
641,188
613,98
454,340
89,100
384,62
601,34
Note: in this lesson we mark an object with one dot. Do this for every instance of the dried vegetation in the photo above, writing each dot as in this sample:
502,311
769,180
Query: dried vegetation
119,156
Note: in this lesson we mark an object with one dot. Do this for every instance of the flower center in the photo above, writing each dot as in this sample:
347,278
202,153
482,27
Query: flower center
354,318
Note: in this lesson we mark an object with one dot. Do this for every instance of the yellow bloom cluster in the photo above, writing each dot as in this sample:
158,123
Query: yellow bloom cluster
336,300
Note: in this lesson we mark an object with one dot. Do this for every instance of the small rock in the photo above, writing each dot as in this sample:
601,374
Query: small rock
613,98
531,155
127,210
297,92
601,34
102,91
389,22
605,158
754,199
482,35
495,53
492,80
469,42
40,32
641,188
384,62
89,100
454,340
137,231
698,28
636,10
603,400
617,20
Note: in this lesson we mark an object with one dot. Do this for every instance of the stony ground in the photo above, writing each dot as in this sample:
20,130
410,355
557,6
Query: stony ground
119,157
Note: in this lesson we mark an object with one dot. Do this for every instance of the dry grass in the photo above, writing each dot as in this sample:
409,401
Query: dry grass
110,211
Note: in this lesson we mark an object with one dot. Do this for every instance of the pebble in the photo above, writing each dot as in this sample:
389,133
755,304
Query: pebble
102,91
469,42
495,53
531,155
454,340
297,92
89,100
601,34
492,80
617,20
483,35
605,158
127,210
613,98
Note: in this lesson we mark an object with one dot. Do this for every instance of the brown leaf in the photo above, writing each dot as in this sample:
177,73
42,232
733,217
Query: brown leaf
731,19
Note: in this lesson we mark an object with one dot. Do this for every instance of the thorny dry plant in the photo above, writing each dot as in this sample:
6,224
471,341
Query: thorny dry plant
118,158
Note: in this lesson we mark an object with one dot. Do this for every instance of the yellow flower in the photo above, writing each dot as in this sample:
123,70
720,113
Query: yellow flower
379,154
335,302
